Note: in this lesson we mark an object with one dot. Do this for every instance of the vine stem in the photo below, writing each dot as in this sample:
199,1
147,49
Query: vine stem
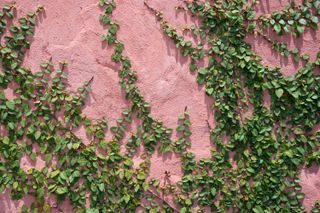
155,194
266,38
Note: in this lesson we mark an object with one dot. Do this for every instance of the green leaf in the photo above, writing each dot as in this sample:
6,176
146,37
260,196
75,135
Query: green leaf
183,210
33,156
306,56
300,195
209,91
302,21
113,29
15,185
2,95
300,29
126,198
296,58
63,175
192,67
101,187
101,3
202,71
54,173
180,128
6,140
295,50
156,183
10,105
258,209
92,210
141,176
251,170
37,135
277,28
75,146
7,6
279,92
213,192
100,134
315,19
62,190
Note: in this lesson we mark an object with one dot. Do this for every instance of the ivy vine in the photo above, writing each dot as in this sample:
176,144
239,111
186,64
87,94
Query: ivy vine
269,147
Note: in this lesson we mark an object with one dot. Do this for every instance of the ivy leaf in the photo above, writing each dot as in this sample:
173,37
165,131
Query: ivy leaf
33,157
102,2
6,140
300,29
202,71
101,186
105,19
141,176
277,28
306,57
62,190
2,95
213,192
15,185
100,134
63,175
183,210
251,170
314,19
300,195
279,92
37,135
92,210
126,198
7,6
296,58
192,67
209,91
258,209
180,128
54,173
295,50
287,28
75,146
156,183
10,105
302,21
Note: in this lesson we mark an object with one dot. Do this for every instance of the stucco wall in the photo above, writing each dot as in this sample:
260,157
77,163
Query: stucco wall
70,30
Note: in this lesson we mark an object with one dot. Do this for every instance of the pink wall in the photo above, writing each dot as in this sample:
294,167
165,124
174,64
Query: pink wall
70,30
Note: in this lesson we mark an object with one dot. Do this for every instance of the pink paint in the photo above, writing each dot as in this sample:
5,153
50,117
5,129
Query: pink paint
70,30
310,185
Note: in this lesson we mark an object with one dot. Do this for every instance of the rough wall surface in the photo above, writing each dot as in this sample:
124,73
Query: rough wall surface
70,30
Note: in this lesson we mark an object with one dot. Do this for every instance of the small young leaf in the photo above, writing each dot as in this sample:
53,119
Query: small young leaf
279,92
277,28
315,19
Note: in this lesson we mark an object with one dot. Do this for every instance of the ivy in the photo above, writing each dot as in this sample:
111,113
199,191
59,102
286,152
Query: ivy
256,160
250,138
184,129
292,18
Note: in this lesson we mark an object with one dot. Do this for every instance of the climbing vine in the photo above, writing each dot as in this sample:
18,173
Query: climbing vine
257,159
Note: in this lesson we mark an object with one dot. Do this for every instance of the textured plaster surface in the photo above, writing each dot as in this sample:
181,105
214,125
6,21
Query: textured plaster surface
70,30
